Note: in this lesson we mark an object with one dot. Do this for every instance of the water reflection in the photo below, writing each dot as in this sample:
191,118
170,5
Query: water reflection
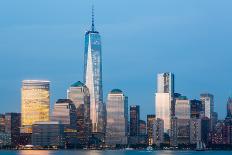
35,152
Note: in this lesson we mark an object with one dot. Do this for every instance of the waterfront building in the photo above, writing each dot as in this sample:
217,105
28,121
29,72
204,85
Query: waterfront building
214,119
183,131
12,127
173,132
35,103
217,135
79,94
229,107
196,108
134,120
93,77
227,131
182,108
142,132
117,118
65,112
5,139
2,123
158,132
164,98
205,129
150,122
180,133
195,130
134,124
47,134
208,106
142,127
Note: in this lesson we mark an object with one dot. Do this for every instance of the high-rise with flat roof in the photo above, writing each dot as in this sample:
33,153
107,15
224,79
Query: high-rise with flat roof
158,132
207,104
12,127
229,107
208,107
2,123
35,103
117,118
150,122
48,134
65,112
134,120
182,108
134,124
79,94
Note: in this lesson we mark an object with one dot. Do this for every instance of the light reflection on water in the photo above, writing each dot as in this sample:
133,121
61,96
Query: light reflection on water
108,152
35,152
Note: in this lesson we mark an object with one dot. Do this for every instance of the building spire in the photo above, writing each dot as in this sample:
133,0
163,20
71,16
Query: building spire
92,17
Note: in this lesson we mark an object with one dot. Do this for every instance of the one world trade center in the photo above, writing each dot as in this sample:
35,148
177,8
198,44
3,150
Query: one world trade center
93,77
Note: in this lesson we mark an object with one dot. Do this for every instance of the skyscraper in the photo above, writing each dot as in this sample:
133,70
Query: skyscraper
35,104
207,104
134,120
195,130
2,123
196,108
134,124
182,108
65,112
229,107
150,122
93,77
13,123
117,118
79,94
180,131
158,132
164,98
208,107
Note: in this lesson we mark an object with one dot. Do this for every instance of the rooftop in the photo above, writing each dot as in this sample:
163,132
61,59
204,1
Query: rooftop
78,84
116,91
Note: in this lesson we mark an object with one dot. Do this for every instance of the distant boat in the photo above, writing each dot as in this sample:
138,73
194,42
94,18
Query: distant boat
200,146
149,148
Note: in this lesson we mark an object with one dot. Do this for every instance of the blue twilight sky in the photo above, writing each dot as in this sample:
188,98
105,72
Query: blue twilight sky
44,39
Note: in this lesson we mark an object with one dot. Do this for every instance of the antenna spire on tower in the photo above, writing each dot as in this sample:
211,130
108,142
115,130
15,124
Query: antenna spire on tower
92,17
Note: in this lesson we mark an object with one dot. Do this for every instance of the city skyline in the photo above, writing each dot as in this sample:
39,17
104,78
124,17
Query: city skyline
61,77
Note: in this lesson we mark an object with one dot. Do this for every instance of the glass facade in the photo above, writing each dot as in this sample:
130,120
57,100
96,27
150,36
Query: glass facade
2,123
79,94
35,102
163,108
196,108
164,104
150,122
93,78
65,112
229,107
134,120
182,108
117,118
158,132
12,125
207,104
47,134
208,107
165,83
